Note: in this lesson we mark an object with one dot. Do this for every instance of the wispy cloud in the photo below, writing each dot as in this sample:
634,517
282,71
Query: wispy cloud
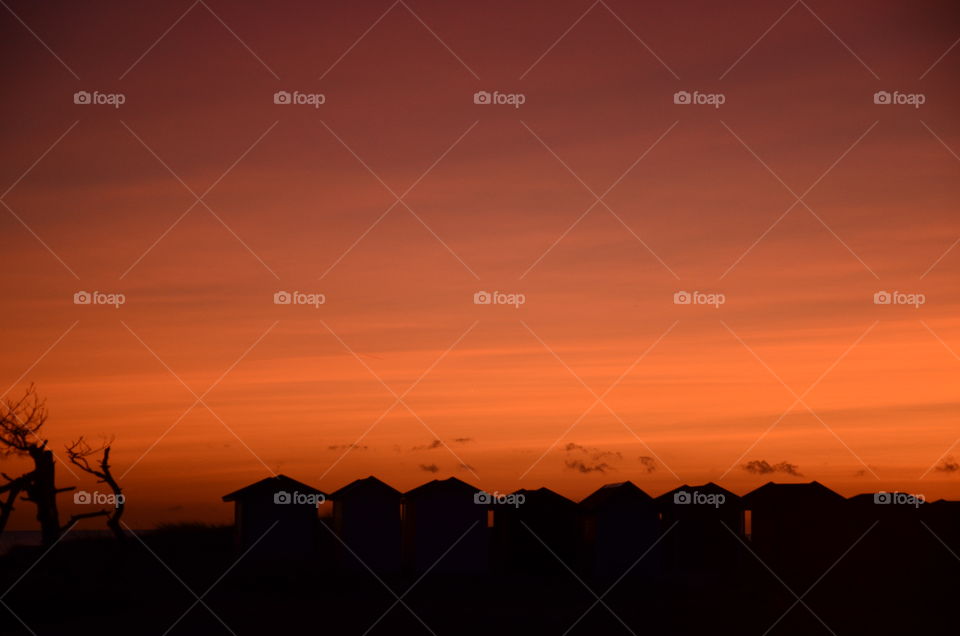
947,465
595,453
590,459
579,465
763,467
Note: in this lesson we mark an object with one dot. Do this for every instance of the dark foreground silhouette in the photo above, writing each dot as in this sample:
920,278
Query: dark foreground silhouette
100,587
784,559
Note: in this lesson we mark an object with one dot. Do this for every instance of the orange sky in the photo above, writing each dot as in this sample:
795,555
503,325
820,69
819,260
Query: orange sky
494,189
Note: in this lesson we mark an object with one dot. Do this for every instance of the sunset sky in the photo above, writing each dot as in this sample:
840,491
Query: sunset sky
399,198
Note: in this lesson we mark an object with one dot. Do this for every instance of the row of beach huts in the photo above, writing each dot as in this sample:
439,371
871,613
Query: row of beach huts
690,532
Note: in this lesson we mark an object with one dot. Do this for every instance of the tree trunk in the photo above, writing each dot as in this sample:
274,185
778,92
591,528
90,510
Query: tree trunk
12,490
42,491
113,521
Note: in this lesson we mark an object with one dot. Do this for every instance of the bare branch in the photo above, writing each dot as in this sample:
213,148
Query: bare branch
21,422
80,453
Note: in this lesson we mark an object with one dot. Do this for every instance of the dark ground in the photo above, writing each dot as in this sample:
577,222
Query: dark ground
96,586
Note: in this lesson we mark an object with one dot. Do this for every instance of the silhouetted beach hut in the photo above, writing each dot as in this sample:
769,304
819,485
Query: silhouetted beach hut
892,538
899,513
534,530
366,517
279,514
442,518
943,523
799,530
943,517
619,525
704,526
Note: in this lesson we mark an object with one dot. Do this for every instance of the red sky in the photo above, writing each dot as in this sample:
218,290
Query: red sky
298,198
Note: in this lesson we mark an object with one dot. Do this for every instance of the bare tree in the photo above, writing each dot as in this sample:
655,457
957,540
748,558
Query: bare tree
80,454
21,426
